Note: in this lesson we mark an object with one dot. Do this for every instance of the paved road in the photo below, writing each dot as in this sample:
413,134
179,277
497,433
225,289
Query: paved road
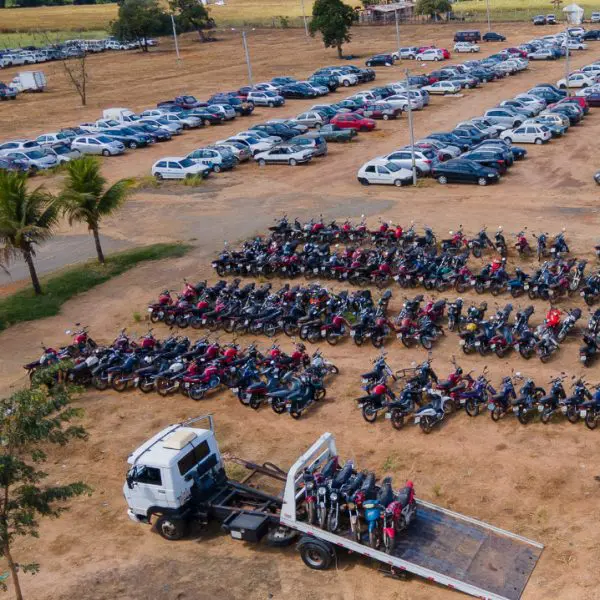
61,251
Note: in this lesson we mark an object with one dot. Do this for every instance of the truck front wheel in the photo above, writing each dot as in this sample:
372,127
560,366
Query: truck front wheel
316,554
170,528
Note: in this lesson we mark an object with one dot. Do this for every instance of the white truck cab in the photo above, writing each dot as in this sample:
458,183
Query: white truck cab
166,467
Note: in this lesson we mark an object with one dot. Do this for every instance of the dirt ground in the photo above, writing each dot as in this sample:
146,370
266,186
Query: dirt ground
537,481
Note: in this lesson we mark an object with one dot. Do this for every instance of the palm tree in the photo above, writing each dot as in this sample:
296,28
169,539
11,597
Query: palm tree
84,198
26,219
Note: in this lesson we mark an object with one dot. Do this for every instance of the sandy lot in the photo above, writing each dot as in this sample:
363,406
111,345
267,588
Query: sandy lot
537,481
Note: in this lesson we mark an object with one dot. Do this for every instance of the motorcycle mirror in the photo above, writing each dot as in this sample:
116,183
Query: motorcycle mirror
68,331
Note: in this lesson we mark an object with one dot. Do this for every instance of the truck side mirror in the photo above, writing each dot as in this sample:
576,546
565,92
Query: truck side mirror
130,481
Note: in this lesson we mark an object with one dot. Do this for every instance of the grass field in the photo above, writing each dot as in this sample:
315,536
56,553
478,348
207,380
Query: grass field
26,306
516,9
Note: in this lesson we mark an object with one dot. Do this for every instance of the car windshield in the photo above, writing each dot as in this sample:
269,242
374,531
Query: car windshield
393,166
186,162
104,139
252,140
34,154
61,149
188,99
270,94
295,148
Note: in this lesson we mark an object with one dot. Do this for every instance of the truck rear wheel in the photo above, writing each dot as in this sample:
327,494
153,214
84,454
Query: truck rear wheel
171,528
281,536
316,554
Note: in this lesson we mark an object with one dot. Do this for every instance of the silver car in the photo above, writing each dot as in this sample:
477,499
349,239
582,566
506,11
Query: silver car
312,118
504,116
171,126
97,144
403,158
314,141
35,159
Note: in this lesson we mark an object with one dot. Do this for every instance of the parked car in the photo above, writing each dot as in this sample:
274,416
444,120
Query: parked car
281,81
542,54
539,20
576,80
240,151
34,159
593,98
383,172
380,60
240,106
335,134
158,134
255,145
328,81
460,170
595,18
550,19
297,90
443,150
466,47
519,107
179,167
316,143
434,54
424,159
528,134
380,110
492,36
557,130
171,126
62,152
442,87
13,165
98,144
265,87
406,53
185,102
7,92
494,159
49,139
597,177
353,121
131,138
219,159
504,116
282,131
401,100
312,118
285,154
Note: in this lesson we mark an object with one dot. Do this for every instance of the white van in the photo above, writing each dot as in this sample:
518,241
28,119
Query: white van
123,115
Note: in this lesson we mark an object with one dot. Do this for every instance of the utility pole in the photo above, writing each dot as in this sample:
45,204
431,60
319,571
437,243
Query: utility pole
304,18
175,37
411,131
487,5
247,58
397,33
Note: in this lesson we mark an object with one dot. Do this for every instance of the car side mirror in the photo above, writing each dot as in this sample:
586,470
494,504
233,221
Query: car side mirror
130,482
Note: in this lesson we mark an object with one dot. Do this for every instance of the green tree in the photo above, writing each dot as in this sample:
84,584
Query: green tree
433,8
333,19
138,20
29,421
26,219
85,198
192,14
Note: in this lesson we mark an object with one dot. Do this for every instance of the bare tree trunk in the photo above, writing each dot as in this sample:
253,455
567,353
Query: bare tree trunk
339,49
144,44
98,246
37,288
201,35
14,572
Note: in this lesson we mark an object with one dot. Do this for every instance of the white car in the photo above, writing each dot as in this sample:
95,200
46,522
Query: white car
576,80
490,130
465,47
442,87
227,112
345,79
381,171
592,70
595,17
178,167
284,154
49,139
527,134
18,145
535,102
265,87
588,90
255,144
430,54
575,45
62,153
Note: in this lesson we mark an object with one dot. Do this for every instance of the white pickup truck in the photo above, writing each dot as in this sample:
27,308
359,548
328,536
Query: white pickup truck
178,477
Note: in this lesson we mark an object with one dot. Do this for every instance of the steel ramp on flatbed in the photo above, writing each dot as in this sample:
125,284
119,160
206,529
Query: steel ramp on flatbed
465,549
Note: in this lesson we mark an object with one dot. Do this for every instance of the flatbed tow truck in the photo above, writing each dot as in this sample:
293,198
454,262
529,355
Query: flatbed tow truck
178,477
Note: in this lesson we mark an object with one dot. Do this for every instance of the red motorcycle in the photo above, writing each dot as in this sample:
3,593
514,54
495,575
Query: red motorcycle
335,330
157,309
82,343
398,515
434,310
522,245
382,275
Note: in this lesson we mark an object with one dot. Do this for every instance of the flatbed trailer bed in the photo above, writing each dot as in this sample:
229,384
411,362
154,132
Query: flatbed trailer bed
440,545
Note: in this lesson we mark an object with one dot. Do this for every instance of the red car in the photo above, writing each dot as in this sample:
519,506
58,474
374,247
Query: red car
353,121
443,51
379,110
581,101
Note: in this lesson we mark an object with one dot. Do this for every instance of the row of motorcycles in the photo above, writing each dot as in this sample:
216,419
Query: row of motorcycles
287,382
430,400
341,499
389,234
418,265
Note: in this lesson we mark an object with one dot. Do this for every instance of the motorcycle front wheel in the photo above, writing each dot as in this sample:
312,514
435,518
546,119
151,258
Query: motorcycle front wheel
496,413
100,383
426,423
369,412
278,406
590,420
119,383
472,407
397,419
